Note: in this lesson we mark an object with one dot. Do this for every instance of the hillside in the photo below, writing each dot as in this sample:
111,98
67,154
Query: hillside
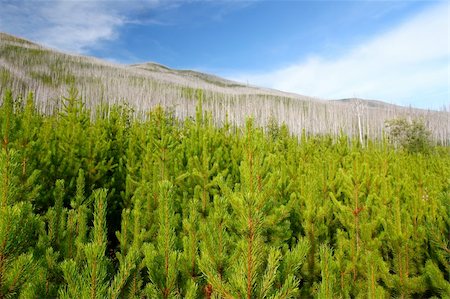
26,66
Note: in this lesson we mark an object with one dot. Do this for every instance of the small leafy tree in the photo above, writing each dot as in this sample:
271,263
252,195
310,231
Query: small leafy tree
413,136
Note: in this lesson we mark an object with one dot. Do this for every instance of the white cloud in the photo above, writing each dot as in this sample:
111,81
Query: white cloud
68,25
406,65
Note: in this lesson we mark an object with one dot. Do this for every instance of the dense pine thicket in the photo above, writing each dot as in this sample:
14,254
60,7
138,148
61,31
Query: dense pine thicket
162,208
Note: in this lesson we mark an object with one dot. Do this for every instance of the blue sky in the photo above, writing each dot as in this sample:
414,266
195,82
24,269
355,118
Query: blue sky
396,51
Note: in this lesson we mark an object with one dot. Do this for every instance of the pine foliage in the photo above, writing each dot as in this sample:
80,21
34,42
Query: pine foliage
117,207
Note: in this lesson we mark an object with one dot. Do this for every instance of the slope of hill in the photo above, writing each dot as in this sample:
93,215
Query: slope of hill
26,66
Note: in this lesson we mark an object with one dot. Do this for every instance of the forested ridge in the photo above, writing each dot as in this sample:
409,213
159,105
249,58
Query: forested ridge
118,207
26,66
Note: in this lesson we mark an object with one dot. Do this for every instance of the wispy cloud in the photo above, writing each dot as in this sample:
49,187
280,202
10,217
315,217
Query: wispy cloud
69,25
406,65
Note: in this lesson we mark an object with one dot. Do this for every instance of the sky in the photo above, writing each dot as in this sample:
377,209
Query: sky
396,51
